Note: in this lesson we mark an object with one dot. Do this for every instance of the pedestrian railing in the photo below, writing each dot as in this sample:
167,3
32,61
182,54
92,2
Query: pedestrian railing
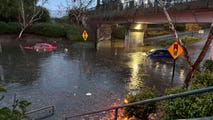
157,99
41,113
105,13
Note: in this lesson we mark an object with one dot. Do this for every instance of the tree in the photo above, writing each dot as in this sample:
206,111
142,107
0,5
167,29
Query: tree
113,4
77,10
8,10
45,17
29,13
192,28
195,65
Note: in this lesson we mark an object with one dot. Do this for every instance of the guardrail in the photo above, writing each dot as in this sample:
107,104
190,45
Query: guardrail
157,99
49,109
150,8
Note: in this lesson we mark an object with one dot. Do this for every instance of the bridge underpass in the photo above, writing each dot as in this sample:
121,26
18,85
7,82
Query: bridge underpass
198,11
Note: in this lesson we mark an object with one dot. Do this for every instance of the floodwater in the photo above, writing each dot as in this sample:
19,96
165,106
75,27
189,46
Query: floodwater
81,79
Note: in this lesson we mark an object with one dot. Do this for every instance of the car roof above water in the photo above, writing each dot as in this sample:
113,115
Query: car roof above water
158,49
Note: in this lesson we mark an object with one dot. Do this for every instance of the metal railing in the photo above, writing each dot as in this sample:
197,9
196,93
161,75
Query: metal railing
157,99
49,109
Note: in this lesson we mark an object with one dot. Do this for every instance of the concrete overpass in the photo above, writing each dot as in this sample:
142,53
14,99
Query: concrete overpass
192,11
196,11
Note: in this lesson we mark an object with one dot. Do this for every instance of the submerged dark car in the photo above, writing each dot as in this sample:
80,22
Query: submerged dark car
159,53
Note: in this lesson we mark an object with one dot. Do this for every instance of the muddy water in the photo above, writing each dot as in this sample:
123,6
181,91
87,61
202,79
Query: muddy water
81,79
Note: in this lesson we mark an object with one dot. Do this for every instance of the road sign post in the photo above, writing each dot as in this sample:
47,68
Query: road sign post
175,50
85,35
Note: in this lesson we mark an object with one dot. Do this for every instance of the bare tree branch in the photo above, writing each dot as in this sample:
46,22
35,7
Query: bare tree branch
186,54
77,9
202,54
28,19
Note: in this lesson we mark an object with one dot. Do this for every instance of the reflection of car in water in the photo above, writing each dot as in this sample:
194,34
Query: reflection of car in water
41,47
159,53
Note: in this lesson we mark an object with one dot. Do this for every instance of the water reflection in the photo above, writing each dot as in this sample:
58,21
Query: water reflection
66,76
153,73
135,61
182,75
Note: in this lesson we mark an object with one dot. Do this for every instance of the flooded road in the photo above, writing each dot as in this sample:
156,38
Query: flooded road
81,79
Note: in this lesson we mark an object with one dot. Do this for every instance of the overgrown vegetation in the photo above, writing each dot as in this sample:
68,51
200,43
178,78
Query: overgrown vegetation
167,43
186,39
141,111
10,10
192,28
154,33
118,32
47,29
180,27
192,106
15,112
71,32
9,28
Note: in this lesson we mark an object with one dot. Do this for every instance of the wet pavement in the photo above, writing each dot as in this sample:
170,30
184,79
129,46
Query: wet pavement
80,79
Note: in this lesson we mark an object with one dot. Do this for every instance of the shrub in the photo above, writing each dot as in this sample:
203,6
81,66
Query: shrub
180,27
205,25
188,107
47,29
73,32
9,28
203,78
118,32
156,33
14,27
4,28
192,27
186,39
192,106
141,111
208,65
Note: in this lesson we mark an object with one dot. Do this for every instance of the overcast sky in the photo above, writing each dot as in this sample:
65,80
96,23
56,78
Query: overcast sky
57,7
55,4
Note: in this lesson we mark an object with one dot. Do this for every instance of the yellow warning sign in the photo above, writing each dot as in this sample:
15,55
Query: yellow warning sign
85,35
175,50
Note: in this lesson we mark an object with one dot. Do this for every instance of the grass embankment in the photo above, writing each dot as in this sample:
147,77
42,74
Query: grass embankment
154,33
167,43
71,32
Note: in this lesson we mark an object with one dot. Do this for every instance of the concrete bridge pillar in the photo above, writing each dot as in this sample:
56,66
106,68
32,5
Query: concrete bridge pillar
135,35
104,32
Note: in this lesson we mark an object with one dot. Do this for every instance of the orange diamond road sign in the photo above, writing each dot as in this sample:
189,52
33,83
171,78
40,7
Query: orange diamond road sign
85,35
175,50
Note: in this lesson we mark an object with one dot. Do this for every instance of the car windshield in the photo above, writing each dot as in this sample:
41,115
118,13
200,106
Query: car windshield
151,51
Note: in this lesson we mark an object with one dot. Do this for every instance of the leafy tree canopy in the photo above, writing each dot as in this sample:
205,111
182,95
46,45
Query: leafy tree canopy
10,10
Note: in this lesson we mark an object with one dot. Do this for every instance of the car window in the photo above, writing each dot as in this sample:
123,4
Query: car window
161,52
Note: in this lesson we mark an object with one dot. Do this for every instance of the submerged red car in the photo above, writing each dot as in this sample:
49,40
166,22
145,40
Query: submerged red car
41,47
